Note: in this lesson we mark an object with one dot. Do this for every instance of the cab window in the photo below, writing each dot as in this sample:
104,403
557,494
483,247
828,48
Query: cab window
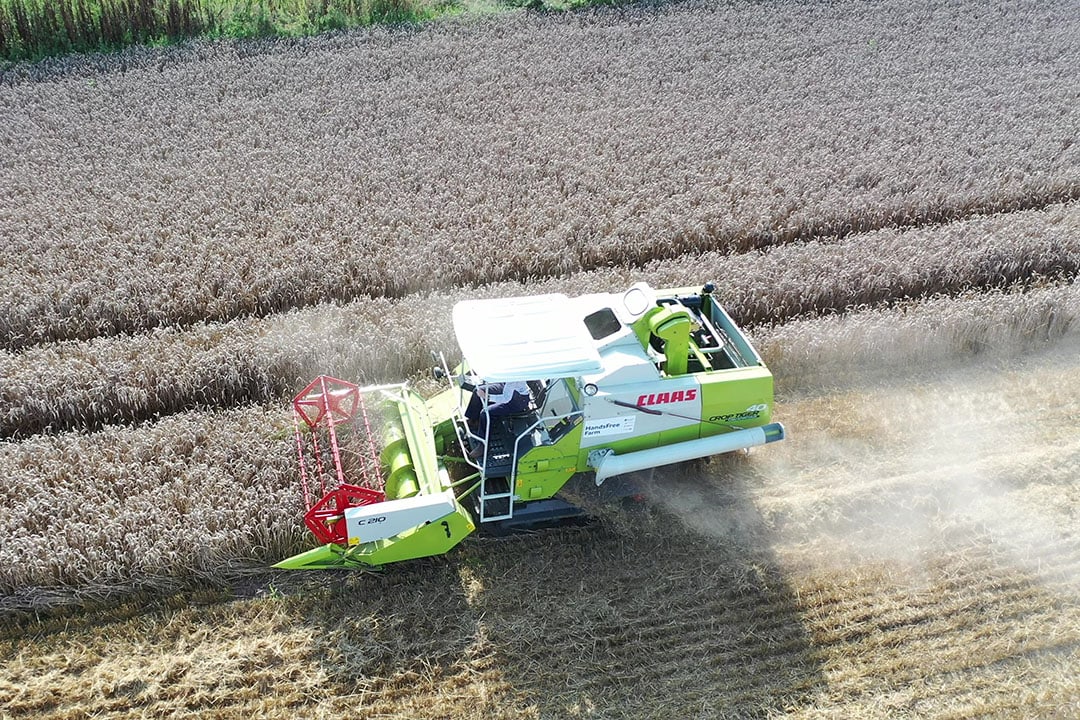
602,323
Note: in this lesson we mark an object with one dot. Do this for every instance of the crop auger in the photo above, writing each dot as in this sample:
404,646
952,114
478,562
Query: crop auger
591,387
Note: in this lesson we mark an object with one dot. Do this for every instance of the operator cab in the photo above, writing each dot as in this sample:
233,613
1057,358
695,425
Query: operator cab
550,342
566,348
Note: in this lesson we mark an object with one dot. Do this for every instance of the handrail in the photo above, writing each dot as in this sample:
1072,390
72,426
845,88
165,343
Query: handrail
459,417
517,441
485,442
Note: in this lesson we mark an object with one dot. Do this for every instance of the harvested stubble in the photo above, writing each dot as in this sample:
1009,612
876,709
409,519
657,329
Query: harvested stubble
107,380
597,629
214,181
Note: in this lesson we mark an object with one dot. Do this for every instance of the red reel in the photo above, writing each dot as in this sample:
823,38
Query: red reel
327,398
326,518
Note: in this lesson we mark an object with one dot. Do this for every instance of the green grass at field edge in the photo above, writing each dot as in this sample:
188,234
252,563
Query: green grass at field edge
32,30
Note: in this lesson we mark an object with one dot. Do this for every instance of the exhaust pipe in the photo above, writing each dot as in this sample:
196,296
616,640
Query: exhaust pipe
608,463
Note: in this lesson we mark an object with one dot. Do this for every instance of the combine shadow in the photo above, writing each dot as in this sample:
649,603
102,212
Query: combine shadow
677,609
674,609
371,629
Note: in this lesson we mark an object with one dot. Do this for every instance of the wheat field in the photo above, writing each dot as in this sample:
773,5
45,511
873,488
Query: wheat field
887,195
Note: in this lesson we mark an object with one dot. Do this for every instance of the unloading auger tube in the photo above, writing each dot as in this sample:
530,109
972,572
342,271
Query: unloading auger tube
617,382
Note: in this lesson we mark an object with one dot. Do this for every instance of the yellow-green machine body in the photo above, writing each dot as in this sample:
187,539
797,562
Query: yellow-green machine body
550,389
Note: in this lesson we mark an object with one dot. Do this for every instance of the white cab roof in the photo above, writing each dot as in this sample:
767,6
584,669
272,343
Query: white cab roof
625,364
526,338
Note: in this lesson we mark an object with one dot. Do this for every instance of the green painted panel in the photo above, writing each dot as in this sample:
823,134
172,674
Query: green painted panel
435,538
736,398
545,469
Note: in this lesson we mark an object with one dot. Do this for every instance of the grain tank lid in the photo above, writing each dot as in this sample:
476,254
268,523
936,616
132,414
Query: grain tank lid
526,338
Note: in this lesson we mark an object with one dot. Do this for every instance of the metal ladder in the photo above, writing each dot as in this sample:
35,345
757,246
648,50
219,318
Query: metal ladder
484,497
497,503
508,495
501,502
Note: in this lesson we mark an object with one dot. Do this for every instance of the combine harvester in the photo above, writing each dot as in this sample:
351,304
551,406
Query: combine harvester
615,383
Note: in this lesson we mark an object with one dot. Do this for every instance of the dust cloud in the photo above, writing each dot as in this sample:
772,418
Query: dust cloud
909,465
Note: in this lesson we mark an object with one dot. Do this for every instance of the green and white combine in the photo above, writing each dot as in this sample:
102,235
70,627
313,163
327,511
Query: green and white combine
617,383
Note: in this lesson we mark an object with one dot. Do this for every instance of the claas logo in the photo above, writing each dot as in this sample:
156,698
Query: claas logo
667,397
